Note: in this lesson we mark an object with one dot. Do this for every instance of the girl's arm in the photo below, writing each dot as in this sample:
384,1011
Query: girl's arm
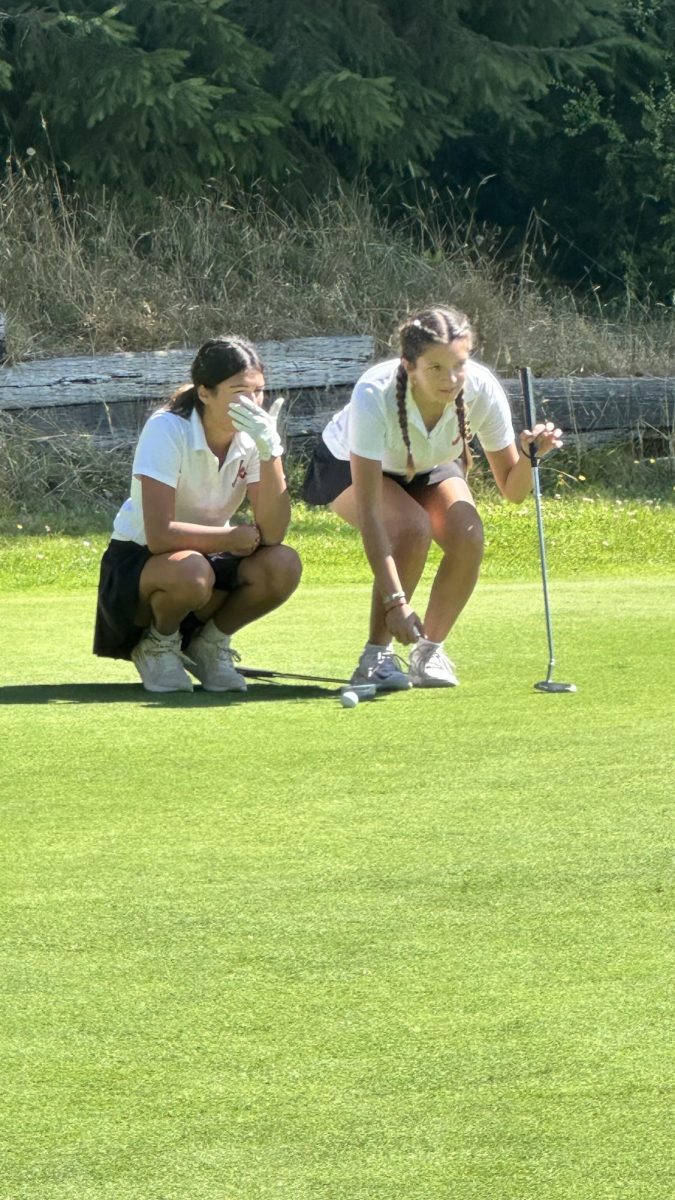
165,535
269,497
367,481
401,621
512,467
270,502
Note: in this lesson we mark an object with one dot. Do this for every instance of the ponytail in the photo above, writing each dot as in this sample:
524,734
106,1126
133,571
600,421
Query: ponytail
184,400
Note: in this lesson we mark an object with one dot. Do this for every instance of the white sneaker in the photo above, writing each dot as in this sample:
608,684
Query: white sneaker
430,667
159,662
379,665
213,663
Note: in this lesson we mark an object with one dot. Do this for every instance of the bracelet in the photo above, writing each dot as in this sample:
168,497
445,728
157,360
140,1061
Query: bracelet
397,604
393,596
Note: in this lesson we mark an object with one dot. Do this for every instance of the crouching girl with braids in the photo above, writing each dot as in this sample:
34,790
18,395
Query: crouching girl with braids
178,579
394,463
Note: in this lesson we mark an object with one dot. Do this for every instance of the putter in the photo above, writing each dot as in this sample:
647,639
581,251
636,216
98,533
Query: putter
364,690
255,673
547,684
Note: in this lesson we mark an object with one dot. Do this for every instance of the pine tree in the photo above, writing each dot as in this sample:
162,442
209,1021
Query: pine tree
544,96
391,83
600,171
156,93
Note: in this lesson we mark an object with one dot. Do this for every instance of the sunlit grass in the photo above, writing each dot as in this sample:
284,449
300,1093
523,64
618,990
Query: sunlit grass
593,537
260,946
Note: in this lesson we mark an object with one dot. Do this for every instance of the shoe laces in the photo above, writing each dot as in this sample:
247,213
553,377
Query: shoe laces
390,661
226,654
432,656
157,646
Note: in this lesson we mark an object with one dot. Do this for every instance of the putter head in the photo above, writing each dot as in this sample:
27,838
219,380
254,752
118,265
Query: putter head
547,685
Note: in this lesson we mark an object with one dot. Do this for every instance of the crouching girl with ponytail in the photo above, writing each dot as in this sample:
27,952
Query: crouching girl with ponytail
394,463
179,578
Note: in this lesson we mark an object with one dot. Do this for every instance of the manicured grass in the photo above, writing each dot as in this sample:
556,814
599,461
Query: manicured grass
262,946
593,537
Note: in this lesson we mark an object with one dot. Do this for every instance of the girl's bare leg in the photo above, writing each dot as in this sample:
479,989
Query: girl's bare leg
409,532
265,580
458,530
171,586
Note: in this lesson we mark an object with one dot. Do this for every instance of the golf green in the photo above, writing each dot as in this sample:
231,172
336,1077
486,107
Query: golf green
260,946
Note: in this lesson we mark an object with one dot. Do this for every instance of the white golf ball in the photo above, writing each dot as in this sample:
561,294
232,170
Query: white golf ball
349,699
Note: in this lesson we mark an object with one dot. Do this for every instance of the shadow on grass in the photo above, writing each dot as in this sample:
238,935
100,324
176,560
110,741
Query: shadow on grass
132,693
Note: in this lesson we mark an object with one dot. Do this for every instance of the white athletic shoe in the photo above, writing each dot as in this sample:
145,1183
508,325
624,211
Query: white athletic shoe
379,665
159,662
430,667
213,663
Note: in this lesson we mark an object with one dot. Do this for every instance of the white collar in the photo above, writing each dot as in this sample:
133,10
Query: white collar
417,419
239,446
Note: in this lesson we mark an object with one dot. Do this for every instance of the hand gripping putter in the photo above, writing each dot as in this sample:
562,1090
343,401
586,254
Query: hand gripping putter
547,684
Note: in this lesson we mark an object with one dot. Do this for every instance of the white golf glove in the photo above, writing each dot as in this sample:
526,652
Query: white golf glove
250,418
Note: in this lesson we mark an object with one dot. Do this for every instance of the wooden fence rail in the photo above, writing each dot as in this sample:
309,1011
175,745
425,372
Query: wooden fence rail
598,409
109,396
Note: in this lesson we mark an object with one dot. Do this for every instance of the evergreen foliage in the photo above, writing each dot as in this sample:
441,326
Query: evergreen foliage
568,105
601,177
149,93
622,130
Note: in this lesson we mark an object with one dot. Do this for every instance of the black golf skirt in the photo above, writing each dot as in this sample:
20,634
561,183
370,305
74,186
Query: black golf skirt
116,632
327,476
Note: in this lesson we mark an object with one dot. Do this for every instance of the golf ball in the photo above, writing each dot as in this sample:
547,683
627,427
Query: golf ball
349,699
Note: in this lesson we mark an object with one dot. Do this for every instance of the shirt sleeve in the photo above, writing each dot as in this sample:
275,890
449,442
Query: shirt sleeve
366,427
159,451
495,429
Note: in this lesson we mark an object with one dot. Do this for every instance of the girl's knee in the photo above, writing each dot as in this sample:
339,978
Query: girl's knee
412,531
194,581
464,531
279,570
285,569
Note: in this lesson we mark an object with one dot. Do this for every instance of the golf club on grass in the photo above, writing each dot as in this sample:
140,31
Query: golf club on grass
364,690
255,673
547,684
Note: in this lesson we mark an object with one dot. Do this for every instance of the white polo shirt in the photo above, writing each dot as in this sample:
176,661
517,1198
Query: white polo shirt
174,450
369,426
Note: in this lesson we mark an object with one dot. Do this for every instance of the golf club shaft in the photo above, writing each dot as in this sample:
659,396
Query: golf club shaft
530,422
259,673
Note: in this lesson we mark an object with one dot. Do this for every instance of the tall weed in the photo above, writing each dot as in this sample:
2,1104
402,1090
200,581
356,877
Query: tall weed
85,275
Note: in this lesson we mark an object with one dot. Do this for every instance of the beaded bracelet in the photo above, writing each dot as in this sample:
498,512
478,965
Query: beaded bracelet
393,596
396,604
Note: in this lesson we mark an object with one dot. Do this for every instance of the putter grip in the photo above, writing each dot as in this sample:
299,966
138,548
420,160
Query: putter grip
528,404
528,397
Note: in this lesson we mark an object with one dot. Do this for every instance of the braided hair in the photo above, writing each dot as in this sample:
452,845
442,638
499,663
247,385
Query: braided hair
436,326
218,359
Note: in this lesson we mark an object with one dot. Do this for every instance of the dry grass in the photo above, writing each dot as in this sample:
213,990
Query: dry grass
87,277
59,472
75,482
